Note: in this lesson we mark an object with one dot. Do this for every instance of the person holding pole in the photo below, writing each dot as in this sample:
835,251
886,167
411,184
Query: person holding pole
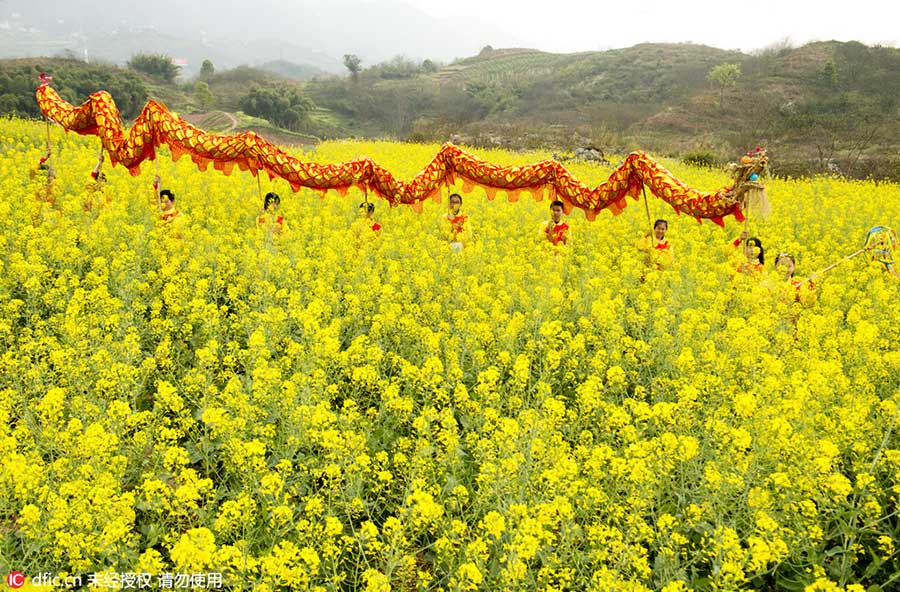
365,228
165,203
804,290
455,225
94,190
656,246
269,219
754,255
556,230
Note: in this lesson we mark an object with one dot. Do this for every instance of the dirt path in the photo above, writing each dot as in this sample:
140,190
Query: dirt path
233,119
198,119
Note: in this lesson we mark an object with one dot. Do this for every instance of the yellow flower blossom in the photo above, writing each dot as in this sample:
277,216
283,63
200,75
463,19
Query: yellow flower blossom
300,415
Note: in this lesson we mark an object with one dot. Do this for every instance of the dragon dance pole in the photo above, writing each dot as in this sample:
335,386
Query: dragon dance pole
158,184
647,207
847,258
49,149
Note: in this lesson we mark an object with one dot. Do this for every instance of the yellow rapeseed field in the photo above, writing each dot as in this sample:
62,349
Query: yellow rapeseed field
308,410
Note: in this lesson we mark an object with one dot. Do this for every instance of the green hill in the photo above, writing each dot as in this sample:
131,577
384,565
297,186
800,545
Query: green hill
293,70
73,79
825,106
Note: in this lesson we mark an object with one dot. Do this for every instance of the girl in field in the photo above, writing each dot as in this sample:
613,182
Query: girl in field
47,173
269,219
455,226
169,212
165,203
45,194
365,229
656,246
755,256
94,192
804,291
556,230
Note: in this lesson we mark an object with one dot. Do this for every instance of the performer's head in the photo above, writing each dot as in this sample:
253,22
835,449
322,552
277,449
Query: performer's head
785,263
271,201
168,198
99,181
366,209
753,249
660,227
455,202
556,211
46,167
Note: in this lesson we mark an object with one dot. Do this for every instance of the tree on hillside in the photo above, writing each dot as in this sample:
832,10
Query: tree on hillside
829,74
74,81
724,76
203,95
207,70
354,64
9,105
284,106
156,65
398,68
854,60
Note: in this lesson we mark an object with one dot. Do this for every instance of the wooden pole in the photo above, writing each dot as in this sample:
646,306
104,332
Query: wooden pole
158,185
652,236
646,206
99,164
259,186
847,258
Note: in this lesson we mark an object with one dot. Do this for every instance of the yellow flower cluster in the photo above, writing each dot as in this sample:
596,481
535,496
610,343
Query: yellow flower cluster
303,410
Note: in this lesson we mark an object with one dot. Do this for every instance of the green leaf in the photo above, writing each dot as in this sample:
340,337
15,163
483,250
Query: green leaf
873,567
791,584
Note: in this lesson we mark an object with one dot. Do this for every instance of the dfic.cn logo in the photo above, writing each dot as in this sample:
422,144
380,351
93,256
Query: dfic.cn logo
15,579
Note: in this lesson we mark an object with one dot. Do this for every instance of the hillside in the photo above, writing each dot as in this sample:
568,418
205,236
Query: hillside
826,106
73,79
224,122
823,106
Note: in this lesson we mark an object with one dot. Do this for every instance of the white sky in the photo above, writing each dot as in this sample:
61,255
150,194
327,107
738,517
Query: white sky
570,25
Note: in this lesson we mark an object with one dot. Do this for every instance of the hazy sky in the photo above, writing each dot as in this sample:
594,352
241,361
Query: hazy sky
319,32
570,25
